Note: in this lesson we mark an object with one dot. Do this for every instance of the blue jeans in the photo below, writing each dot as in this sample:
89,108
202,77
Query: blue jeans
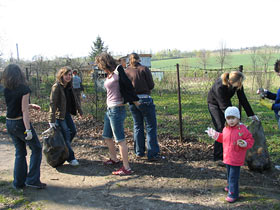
16,130
145,112
114,123
233,173
69,131
278,120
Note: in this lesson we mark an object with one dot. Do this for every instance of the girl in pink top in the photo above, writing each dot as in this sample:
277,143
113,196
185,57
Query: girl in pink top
236,140
117,85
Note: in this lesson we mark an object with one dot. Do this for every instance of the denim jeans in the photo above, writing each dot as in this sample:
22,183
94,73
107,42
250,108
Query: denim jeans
145,113
233,173
114,123
69,131
278,120
16,130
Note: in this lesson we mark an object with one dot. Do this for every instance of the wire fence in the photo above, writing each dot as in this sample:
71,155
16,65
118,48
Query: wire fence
183,117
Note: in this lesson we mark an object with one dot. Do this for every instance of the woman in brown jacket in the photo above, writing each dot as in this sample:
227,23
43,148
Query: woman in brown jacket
62,104
142,80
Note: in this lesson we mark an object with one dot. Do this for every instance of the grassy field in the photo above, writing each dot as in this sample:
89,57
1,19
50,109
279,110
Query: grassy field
235,60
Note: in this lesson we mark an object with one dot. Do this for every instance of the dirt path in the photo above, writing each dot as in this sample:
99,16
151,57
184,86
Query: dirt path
163,185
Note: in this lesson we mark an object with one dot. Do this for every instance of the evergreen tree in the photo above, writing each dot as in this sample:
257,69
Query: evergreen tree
97,48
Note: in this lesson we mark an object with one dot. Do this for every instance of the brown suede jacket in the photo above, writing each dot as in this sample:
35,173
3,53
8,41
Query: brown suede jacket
141,78
58,103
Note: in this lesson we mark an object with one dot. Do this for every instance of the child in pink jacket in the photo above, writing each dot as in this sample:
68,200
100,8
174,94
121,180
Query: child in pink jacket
236,140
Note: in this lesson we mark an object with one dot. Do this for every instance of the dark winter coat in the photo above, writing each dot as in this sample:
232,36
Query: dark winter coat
221,95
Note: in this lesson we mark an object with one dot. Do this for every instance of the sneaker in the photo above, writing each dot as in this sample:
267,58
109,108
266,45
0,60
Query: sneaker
122,171
40,185
140,157
74,162
231,200
226,189
17,187
155,159
111,162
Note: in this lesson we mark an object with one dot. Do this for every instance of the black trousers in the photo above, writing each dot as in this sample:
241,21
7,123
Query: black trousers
218,119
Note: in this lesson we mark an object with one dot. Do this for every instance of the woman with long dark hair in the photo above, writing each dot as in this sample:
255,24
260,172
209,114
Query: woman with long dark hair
17,97
119,92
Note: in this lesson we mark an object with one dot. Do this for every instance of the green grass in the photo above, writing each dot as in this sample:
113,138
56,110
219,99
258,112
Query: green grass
14,199
234,61
2,119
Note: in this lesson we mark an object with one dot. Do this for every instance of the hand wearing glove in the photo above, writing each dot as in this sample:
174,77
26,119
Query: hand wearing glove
52,125
254,118
28,134
262,92
266,103
212,133
241,143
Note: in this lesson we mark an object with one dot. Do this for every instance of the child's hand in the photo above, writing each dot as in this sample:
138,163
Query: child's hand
212,133
241,143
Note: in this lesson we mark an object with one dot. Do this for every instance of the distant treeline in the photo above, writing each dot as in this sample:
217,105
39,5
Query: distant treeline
175,53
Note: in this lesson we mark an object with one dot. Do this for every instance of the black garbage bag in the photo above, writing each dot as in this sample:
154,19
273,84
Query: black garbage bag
54,147
257,157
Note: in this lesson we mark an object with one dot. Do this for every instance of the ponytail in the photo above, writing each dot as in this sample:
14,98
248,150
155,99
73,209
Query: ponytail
235,76
134,59
225,79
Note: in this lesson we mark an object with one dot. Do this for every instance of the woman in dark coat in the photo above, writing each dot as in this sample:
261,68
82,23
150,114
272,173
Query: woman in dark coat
219,98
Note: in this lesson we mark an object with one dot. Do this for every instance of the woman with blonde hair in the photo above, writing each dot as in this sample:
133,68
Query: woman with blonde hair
219,99
119,92
62,104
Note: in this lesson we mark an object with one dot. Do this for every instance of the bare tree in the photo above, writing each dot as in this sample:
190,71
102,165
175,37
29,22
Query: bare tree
223,55
203,56
266,56
255,60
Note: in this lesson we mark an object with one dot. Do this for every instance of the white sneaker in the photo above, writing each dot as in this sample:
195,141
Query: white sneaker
74,162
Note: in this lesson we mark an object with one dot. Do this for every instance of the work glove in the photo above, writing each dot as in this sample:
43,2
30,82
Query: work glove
266,103
254,118
262,92
212,133
52,125
28,134
241,143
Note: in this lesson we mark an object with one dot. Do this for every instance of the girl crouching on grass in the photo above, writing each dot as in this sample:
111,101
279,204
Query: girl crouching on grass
236,140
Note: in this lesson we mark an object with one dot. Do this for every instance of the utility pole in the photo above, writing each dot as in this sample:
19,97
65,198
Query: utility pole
17,52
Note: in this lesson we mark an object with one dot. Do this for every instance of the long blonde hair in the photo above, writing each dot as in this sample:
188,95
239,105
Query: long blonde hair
59,76
235,76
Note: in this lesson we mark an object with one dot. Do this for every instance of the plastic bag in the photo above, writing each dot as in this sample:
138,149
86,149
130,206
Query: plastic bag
257,157
54,147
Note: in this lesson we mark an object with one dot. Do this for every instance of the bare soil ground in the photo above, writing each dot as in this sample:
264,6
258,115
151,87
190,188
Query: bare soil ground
185,179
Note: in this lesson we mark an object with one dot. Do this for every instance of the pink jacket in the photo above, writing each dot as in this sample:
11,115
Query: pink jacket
232,153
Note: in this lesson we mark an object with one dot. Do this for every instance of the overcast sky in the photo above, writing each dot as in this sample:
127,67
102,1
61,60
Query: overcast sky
68,27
